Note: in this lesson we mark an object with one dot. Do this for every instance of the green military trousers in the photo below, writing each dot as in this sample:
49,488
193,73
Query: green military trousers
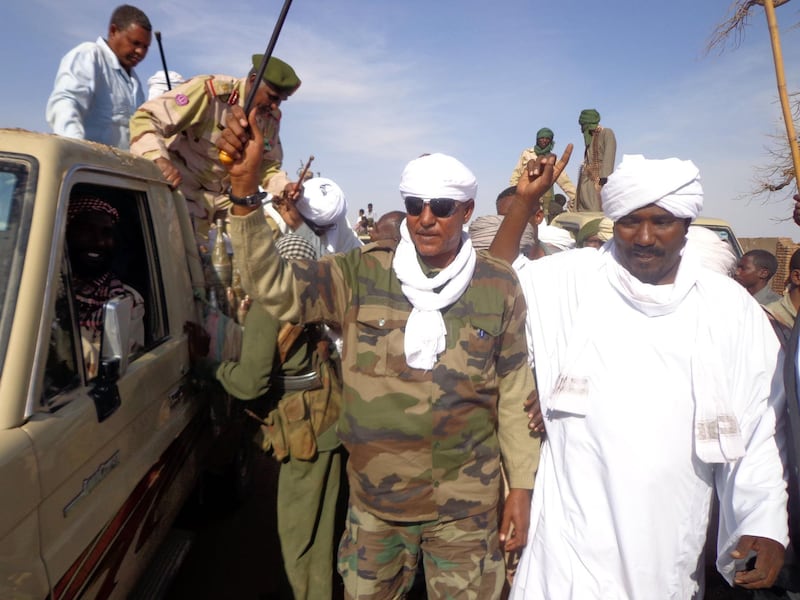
307,505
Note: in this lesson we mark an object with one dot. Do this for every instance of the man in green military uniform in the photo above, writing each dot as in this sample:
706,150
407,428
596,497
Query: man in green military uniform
179,130
435,380
290,366
598,160
544,145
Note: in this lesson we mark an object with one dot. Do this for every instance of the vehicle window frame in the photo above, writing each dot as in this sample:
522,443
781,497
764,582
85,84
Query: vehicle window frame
137,190
25,210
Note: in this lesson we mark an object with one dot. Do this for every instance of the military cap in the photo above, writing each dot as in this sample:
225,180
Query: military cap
279,75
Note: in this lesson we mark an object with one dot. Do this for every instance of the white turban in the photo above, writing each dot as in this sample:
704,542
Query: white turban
323,201
157,84
438,176
714,253
671,184
555,236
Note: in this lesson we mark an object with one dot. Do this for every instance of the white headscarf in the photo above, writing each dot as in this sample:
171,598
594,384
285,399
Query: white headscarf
157,84
714,253
671,184
438,176
555,236
432,176
323,201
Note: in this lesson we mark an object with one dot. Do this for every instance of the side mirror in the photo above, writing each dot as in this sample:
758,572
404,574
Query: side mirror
116,344
114,350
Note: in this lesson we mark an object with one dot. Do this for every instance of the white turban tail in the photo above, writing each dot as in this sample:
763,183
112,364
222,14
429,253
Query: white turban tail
323,201
671,184
438,176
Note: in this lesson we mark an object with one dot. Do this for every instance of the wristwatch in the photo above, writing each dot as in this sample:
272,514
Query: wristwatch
250,201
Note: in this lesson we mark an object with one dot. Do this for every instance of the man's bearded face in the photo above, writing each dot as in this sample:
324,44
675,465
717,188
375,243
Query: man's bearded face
649,243
90,239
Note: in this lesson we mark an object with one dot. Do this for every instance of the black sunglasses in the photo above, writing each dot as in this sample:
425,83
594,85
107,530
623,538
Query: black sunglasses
440,207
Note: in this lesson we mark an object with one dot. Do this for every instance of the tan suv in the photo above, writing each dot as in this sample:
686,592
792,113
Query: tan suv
93,469
573,221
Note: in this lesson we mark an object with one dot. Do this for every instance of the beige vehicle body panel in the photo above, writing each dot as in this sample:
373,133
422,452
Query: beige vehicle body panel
87,502
573,221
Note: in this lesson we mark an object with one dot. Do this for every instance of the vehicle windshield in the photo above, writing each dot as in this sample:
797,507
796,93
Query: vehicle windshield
14,189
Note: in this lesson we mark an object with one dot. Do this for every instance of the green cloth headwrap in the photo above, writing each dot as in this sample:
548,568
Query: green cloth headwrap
601,227
279,75
589,119
544,132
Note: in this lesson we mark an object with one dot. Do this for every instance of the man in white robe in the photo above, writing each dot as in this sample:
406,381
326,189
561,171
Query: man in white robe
658,384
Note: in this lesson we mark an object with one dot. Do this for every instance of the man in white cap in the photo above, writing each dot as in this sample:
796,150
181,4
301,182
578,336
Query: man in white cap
435,377
658,384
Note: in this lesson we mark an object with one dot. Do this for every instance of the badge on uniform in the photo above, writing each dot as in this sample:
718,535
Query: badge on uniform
181,99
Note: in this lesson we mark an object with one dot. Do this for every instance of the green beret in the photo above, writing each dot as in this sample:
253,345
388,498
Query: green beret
544,132
279,75
589,117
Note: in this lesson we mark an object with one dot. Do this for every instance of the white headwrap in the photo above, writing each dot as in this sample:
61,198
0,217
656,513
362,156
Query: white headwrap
438,176
713,252
555,236
671,184
323,201
157,84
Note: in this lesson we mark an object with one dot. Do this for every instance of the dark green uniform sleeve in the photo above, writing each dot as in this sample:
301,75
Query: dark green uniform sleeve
248,378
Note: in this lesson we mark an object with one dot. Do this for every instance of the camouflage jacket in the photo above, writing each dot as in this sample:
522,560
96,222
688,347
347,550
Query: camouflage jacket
183,125
423,445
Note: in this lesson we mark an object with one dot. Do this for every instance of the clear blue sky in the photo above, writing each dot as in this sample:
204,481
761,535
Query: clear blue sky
386,81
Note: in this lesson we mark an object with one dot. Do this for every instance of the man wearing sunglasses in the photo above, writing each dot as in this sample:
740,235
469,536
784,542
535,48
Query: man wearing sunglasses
435,380
179,130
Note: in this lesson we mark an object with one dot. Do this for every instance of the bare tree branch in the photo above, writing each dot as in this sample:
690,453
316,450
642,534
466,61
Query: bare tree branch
735,24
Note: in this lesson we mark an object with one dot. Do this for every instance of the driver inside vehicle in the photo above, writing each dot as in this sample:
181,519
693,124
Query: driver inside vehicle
91,244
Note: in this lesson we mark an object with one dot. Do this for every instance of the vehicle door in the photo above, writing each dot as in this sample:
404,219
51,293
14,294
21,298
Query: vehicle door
114,452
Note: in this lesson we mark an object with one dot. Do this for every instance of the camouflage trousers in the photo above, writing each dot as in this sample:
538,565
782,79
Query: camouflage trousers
462,559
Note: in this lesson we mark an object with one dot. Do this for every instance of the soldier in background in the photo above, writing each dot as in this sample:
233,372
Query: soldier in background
544,145
598,160
179,130
426,416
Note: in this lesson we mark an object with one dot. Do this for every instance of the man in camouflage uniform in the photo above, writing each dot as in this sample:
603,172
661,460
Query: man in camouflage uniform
179,130
598,160
435,378
544,145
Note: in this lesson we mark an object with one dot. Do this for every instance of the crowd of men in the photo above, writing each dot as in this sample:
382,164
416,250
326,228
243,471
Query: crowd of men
457,358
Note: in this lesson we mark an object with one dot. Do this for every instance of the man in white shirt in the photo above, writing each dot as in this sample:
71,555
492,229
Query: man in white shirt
96,90
658,383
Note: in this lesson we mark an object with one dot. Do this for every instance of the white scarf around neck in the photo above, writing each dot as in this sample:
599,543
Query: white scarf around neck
717,434
425,330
